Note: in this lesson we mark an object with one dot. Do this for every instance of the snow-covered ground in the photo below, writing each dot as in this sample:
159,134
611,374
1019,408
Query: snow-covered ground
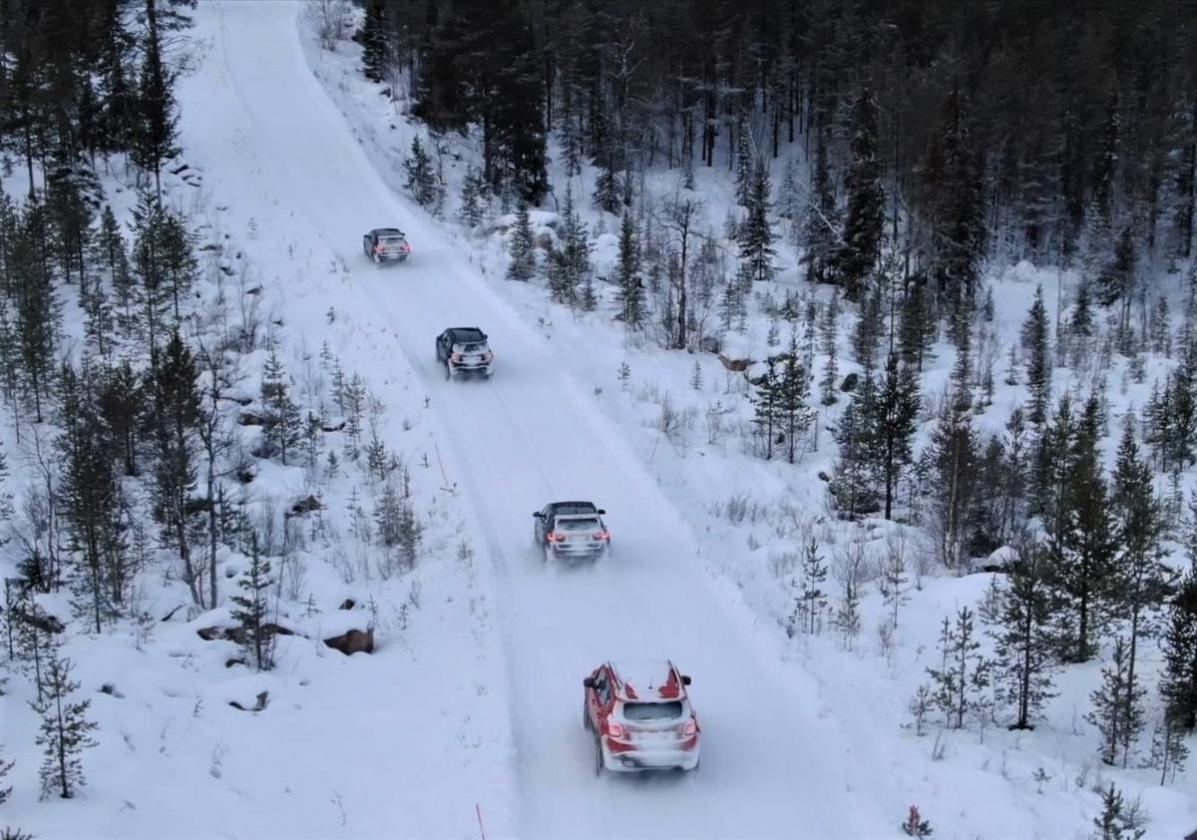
467,718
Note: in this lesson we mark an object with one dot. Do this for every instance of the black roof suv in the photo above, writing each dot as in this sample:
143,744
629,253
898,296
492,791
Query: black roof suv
386,245
571,530
464,351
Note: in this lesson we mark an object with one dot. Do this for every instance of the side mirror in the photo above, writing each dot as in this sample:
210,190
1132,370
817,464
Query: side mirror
686,679
536,515
588,682
602,512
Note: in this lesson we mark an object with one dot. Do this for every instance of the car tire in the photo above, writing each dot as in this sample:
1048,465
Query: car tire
448,371
585,716
598,756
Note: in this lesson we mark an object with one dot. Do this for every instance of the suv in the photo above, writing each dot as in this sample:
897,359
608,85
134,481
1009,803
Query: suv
386,245
569,530
464,350
641,718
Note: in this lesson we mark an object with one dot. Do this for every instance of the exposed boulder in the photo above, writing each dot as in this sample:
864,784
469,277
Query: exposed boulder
353,641
311,503
850,382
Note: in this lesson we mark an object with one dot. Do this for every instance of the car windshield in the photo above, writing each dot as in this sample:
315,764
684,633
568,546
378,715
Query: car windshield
671,710
578,524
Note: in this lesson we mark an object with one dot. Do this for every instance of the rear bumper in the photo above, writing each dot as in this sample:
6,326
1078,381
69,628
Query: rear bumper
638,760
399,257
580,551
467,369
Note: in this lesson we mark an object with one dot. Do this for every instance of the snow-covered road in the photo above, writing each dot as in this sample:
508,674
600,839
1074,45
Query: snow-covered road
772,767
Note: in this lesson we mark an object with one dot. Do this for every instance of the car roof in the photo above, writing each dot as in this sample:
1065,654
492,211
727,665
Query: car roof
647,681
466,334
559,508
387,232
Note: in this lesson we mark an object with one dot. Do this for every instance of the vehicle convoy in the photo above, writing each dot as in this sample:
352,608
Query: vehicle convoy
385,245
641,717
571,531
464,351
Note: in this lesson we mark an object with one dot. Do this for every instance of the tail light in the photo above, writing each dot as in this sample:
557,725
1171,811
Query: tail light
488,356
406,248
553,536
690,729
378,249
602,535
455,357
615,730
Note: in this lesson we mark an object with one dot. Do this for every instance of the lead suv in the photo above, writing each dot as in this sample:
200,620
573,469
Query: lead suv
386,245
464,350
571,531
641,717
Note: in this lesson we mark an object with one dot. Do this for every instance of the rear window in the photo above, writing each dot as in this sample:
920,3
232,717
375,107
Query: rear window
671,710
472,346
391,240
578,524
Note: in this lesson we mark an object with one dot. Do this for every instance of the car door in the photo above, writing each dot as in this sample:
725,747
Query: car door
594,699
542,523
441,355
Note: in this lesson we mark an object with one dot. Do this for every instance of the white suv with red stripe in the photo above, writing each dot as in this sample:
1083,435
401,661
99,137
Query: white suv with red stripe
641,717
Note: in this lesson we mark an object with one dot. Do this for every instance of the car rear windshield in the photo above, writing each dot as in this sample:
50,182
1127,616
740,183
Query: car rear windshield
472,347
578,524
391,240
671,710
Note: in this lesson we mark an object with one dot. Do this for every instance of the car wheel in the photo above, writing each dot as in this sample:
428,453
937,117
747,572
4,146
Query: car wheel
585,716
448,371
598,756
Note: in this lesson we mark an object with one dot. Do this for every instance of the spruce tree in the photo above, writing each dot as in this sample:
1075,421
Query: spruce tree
766,400
523,246
1178,683
1035,339
156,137
421,179
854,482
820,231
756,232
373,38
858,253
37,310
250,608
630,291
1118,821
916,323
954,457
281,419
793,415
1117,705
64,732
473,198
812,598
571,262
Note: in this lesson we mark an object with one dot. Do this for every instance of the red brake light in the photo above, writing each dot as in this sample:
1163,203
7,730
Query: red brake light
378,249
456,357
489,356
406,248
691,728
615,730
553,536
602,535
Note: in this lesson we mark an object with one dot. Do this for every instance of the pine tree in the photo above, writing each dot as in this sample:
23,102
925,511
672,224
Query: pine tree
917,324
812,599
963,673
173,420
1117,705
120,402
1142,578
756,233
857,255
793,414
954,457
156,137
1178,683
766,400
250,608
150,264
64,732
281,419
893,422
422,181
5,769
523,246
788,202
37,310
1081,532
1021,629
1035,343
746,163
1169,752
630,291
870,327
1118,821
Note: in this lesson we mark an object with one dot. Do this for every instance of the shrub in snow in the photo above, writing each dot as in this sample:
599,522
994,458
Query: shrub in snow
915,825
1118,820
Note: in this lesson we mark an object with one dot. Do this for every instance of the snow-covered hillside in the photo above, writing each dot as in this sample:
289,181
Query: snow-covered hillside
465,721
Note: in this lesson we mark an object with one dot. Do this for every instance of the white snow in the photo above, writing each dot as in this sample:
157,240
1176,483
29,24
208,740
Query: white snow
468,716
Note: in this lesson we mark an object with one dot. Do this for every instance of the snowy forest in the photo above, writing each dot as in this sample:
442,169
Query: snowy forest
843,187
